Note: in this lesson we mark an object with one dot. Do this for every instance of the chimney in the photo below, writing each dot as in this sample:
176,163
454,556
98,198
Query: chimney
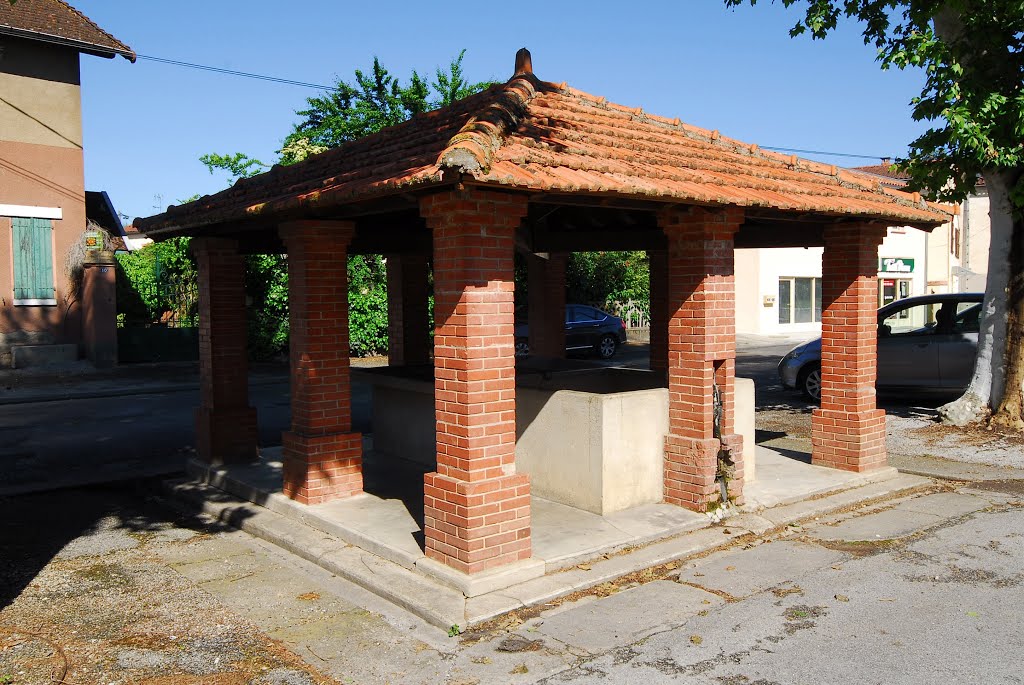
524,64
886,161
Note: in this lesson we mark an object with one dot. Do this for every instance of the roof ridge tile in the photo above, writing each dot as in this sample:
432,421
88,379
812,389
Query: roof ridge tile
472,149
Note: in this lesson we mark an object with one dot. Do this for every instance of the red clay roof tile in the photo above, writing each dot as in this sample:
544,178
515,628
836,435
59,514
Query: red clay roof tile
537,136
56,20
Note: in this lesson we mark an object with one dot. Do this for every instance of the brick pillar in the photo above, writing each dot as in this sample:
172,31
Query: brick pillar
408,332
658,262
547,304
848,431
99,309
701,352
322,456
225,423
476,507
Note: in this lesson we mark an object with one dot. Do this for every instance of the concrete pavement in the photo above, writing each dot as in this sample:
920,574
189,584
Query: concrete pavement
918,589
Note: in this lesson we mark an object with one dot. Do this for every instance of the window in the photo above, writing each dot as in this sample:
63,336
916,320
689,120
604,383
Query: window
33,261
892,289
799,300
968,317
918,319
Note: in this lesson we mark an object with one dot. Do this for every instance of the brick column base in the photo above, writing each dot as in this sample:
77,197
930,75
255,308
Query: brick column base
690,465
475,525
851,442
319,468
226,436
690,468
734,443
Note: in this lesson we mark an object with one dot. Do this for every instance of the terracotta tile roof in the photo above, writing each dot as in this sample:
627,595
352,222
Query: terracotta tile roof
58,22
541,137
885,173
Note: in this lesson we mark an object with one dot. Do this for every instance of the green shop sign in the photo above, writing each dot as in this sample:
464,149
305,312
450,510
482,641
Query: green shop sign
895,265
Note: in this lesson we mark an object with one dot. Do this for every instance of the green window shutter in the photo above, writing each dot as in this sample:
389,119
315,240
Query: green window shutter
33,259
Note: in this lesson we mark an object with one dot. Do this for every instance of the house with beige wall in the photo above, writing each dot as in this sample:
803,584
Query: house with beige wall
778,290
42,185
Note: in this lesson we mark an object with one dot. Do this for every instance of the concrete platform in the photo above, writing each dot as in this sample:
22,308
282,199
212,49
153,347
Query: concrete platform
375,538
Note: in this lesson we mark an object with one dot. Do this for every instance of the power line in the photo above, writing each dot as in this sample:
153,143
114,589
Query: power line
317,86
820,152
233,72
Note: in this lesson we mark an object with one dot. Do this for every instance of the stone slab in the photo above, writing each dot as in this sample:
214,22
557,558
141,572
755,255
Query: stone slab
484,581
885,525
945,504
431,601
742,573
627,616
798,511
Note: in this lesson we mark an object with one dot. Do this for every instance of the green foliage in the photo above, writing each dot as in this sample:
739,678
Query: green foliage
148,281
266,290
605,278
451,86
367,305
373,102
239,165
971,54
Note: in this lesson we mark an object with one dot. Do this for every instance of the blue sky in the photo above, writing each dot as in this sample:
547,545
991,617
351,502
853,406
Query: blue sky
146,124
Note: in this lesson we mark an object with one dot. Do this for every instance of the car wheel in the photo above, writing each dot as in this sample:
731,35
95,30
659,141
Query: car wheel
522,347
606,347
809,382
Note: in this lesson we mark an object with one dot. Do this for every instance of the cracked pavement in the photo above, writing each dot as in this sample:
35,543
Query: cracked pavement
925,588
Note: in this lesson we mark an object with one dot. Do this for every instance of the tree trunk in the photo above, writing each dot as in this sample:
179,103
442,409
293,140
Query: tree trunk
1010,412
998,348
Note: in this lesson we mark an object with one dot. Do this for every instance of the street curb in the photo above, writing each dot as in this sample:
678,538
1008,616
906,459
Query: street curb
442,606
32,398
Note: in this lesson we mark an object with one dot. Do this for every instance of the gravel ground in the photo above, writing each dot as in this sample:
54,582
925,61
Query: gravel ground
783,422
87,600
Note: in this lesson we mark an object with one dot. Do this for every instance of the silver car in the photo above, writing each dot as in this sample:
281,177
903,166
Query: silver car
925,343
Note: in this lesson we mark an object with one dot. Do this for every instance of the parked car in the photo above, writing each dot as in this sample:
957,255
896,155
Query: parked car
587,329
925,343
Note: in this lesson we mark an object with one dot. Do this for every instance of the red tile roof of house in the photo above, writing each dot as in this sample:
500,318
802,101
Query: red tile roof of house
535,136
885,173
54,21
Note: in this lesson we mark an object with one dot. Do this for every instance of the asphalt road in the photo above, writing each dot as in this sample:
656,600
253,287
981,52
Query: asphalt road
106,438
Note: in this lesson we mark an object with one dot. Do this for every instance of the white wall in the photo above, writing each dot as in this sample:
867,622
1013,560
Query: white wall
757,277
978,230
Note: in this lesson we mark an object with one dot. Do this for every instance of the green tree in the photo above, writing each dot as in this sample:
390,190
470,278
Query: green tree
608,279
374,101
971,54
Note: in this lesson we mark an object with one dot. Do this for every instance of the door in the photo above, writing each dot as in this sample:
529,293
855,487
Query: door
959,346
582,326
908,349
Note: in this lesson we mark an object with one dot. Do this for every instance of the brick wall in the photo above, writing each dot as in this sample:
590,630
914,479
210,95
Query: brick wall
322,456
848,431
700,306
408,334
476,508
225,423
547,304
658,261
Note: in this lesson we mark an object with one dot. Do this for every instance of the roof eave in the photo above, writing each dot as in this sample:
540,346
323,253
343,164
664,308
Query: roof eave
80,46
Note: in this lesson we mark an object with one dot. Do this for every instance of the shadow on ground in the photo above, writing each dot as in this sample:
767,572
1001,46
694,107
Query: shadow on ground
36,527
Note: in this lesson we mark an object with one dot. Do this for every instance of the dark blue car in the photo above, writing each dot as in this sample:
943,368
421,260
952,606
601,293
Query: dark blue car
587,329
